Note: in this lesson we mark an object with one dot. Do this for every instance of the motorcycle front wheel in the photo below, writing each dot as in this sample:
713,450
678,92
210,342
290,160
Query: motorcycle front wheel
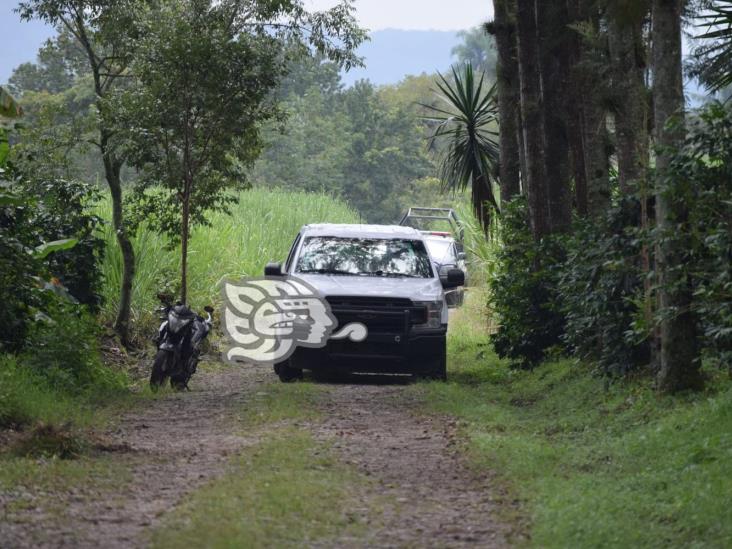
161,369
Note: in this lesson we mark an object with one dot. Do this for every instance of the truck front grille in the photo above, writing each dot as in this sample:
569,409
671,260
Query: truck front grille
378,314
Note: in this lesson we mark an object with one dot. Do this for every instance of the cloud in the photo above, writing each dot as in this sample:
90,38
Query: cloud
416,14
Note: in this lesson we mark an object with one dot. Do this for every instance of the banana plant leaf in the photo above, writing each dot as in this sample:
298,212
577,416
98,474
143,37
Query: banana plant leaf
56,246
4,146
9,107
9,199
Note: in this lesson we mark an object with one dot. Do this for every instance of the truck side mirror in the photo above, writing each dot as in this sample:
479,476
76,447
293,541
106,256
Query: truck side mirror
273,269
451,277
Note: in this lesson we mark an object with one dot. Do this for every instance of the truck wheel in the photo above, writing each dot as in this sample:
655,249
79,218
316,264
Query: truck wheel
437,370
161,369
286,373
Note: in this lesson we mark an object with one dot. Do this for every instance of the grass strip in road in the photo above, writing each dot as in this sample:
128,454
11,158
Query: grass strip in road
287,491
283,403
594,465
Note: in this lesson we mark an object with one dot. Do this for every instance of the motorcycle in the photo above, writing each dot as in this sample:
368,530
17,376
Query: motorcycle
179,344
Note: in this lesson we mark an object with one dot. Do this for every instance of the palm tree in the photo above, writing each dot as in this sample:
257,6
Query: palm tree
714,55
467,126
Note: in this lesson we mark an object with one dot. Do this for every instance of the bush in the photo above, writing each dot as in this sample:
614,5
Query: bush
63,209
523,291
25,397
601,288
701,177
63,349
33,213
18,289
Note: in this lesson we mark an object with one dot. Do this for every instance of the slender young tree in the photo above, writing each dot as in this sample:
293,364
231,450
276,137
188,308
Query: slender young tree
204,75
104,30
679,360
575,117
503,28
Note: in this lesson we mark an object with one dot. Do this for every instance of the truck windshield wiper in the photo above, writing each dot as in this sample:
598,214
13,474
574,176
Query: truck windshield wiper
391,274
326,272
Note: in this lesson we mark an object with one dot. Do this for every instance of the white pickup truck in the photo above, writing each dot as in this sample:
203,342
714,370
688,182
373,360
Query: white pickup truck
384,278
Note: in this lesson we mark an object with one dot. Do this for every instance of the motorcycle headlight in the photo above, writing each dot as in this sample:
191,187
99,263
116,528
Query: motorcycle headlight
434,313
176,323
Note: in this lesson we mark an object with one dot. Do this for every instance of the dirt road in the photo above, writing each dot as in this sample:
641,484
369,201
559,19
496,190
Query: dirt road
170,446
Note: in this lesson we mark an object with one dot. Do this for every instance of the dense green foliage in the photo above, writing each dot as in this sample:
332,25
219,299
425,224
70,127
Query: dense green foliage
523,291
700,176
193,127
600,289
593,281
59,376
42,210
63,348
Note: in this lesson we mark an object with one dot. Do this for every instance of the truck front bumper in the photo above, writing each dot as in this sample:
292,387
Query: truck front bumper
411,353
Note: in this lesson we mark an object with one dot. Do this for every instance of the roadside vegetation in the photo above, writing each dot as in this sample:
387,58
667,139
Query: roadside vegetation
591,462
259,228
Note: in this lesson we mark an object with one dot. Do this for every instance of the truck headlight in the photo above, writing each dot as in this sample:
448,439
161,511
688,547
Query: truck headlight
434,313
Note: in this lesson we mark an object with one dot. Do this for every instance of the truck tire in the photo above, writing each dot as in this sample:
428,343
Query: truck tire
437,369
287,373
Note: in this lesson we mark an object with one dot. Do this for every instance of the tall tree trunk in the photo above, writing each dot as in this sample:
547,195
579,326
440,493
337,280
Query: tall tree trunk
628,57
112,168
586,117
597,161
554,49
679,365
481,197
627,53
532,120
504,30
575,115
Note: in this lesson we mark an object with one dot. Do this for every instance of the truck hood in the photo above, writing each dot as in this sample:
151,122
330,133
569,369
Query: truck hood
417,289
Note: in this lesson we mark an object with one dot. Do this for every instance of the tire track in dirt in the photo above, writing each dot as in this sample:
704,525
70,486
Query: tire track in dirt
430,497
170,446
173,445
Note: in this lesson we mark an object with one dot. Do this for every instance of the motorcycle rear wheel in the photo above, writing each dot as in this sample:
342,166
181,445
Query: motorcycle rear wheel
161,369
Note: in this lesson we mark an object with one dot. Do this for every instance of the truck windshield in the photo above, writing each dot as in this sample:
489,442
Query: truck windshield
441,251
364,257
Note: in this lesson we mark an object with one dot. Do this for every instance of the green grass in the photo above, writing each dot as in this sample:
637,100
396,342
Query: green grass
261,229
59,475
282,402
287,491
594,465
27,399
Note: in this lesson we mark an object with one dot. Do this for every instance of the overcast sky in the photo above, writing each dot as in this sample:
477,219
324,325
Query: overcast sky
417,14
20,41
